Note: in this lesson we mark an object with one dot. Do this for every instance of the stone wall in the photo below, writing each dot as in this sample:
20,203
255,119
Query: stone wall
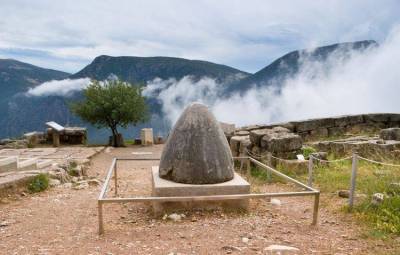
286,144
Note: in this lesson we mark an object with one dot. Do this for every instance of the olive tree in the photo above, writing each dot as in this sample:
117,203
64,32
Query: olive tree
112,104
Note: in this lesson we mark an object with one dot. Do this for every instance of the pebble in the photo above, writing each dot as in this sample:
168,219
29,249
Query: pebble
276,202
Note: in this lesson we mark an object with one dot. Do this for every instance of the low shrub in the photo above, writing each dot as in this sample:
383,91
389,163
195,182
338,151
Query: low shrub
39,183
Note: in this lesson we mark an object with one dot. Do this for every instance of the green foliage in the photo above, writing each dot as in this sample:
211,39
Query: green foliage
383,219
73,164
307,150
39,183
112,104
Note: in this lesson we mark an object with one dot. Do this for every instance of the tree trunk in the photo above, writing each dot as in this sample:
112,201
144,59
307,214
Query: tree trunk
117,139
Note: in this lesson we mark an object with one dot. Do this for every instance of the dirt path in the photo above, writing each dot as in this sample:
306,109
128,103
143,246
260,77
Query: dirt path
64,221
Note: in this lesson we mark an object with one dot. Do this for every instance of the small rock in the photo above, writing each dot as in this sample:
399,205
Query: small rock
81,185
229,248
175,217
93,182
4,224
67,185
54,182
377,198
344,193
245,239
276,202
320,155
381,173
281,249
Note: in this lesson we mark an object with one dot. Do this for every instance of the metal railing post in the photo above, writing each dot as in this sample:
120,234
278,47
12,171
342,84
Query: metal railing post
100,212
353,180
248,166
310,171
269,163
315,212
115,179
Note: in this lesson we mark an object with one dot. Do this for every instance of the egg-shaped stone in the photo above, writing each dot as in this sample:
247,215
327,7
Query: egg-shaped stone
197,151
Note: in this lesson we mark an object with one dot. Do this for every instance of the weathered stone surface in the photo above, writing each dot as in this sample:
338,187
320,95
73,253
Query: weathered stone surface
319,132
280,129
308,125
390,134
320,155
377,198
245,144
278,142
196,151
229,129
342,121
344,193
242,133
234,144
281,249
336,131
376,117
257,134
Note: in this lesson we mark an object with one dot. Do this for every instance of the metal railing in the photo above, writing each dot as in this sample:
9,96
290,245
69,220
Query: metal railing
113,172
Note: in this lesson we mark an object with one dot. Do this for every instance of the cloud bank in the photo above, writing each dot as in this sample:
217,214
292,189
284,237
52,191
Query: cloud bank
64,87
357,83
243,34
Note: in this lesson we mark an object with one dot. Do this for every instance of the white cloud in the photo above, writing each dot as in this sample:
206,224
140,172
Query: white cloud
64,87
247,35
360,83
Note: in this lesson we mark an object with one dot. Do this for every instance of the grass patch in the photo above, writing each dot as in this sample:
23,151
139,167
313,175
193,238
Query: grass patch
307,151
39,183
383,219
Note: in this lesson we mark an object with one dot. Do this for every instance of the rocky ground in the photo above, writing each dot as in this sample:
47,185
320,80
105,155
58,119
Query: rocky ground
62,220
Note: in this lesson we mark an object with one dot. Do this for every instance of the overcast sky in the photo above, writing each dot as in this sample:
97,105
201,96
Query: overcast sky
248,35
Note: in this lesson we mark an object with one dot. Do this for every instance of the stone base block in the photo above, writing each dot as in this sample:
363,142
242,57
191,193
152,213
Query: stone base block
166,188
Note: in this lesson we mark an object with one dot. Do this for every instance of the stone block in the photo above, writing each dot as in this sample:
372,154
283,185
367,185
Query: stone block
242,133
342,121
234,144
146,136
167,188
8,164
257,134
229,129
319,132
245,144
296,166
311,124
390,134
365,127
336,131
281,142
394,117
377,117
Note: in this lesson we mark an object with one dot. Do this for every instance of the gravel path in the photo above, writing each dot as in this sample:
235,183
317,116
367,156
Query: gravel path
64,221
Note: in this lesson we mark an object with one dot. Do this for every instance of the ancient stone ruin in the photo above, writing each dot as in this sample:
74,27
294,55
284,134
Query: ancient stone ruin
377,133
197,161
197,151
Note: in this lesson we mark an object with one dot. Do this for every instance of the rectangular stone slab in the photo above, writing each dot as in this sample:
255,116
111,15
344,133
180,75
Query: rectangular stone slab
166,188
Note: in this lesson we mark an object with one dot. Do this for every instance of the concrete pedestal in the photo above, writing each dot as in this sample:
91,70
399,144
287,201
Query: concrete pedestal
166,188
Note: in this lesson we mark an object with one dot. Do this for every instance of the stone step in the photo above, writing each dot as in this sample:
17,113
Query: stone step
27,164
8,164
42,163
